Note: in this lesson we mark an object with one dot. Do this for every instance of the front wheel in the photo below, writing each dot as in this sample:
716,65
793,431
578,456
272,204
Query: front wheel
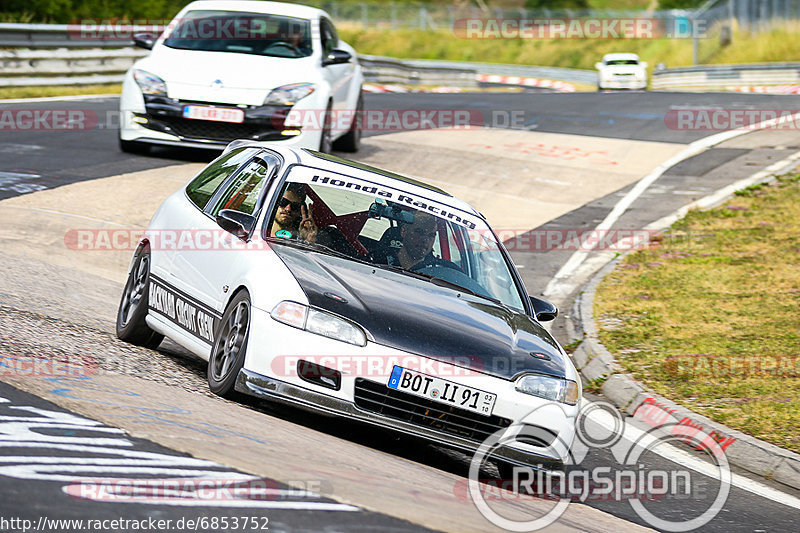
351,141
131,326
230,345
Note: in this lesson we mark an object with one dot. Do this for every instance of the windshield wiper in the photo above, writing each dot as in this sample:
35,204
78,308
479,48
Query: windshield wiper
440,282
318,248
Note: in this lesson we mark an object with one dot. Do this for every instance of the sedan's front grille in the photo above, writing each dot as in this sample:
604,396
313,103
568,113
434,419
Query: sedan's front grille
212,130
380,399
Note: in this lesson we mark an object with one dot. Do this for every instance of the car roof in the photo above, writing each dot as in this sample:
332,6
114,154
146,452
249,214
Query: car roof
360,170
257,6
620,56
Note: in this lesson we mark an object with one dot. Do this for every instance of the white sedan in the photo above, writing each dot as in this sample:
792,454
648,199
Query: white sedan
326,284
621,71
225,70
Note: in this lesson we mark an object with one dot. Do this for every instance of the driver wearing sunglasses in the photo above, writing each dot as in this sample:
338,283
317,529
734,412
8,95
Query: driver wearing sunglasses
292,218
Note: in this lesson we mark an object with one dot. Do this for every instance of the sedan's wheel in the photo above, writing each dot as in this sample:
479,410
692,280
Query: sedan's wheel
230,345
351,141
326,141
131,325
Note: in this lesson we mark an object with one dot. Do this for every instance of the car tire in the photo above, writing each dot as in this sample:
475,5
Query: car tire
325,141
134,147
351,141
131,326
230,345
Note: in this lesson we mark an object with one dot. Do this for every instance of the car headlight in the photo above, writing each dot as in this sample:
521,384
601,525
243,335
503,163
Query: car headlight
150,83
314,321
549,388
289,94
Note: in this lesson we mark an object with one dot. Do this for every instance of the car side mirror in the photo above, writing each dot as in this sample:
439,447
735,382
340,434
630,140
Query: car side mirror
236,222
144,40
337,57
598,65
543,310
643,64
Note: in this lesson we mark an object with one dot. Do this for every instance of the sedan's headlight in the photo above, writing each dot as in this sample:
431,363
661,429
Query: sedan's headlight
289,94
549,388
150,83
319,322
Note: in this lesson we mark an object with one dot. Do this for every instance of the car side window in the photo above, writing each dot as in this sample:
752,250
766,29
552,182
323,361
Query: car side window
245,190
201,189
330,40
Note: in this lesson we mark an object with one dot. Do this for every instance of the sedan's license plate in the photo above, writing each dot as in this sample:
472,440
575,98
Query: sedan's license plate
442,391
218,114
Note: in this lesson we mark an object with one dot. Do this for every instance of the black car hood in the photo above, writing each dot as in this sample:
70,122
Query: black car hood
418,317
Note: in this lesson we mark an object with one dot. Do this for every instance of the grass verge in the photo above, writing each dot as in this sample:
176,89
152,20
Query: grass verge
780,44
58,90
710,316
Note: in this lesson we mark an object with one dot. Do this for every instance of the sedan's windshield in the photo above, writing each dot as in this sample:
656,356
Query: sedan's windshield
394,230
242,33
617,62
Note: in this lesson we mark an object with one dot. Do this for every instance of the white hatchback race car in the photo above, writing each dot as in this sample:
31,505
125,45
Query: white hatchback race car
621,71
344,289
231,70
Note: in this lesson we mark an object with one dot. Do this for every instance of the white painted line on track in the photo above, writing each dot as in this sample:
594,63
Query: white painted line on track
717,197
564,282
57,98
684,458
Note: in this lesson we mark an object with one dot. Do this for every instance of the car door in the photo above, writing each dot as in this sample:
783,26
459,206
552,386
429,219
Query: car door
204,269
338,76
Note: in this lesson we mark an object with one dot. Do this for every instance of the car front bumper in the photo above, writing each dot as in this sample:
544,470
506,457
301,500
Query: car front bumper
252,383
163,122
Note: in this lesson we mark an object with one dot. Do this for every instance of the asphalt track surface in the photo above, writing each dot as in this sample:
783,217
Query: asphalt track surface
32,160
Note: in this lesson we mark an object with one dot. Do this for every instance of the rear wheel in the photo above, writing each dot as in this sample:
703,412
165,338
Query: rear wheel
131,326
351,141
230,345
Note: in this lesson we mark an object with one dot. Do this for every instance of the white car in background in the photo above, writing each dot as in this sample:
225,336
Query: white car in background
226,70
621,71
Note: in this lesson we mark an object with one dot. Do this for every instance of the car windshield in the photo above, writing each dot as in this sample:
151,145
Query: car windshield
395,230
242,33
622,62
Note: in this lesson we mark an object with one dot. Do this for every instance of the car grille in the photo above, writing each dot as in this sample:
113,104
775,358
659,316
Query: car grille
380,399
207,129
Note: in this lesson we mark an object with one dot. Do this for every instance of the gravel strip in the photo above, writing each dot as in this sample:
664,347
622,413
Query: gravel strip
51,340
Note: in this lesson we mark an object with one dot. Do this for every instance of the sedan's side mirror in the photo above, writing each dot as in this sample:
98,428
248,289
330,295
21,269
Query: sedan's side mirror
598,65
144,40
337,57
544,310
236,222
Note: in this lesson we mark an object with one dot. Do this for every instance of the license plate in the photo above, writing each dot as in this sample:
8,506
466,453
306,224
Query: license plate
218,114
442,391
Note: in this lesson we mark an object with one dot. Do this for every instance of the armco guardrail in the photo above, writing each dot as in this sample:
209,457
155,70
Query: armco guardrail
726,77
